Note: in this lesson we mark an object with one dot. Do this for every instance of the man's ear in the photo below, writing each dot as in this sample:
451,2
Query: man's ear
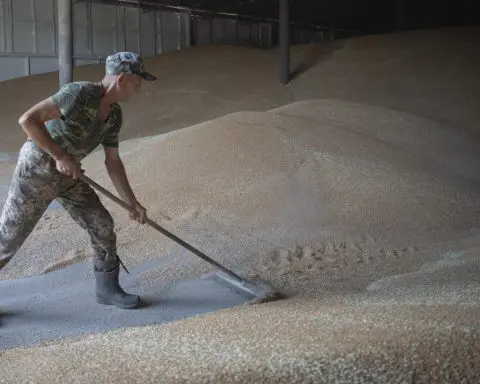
120,79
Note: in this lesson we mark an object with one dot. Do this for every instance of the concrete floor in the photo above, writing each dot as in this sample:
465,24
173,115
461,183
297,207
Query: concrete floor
62,304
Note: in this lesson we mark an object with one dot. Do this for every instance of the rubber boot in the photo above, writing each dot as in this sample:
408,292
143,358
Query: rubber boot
109,292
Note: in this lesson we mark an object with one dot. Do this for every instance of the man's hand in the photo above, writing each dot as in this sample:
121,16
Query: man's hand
140,213
68,166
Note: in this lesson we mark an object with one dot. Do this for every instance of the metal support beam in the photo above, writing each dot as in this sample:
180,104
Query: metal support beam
284,37
188,29
65,41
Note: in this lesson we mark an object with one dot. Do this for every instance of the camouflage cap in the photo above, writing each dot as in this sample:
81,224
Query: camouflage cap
127,62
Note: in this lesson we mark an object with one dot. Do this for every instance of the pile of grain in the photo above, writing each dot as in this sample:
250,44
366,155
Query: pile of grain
325,197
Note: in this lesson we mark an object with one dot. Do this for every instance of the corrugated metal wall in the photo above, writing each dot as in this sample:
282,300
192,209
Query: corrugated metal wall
29,43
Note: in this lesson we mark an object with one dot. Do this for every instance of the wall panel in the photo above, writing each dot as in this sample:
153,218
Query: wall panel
11,67
244,33
3,46
81,29
40,65
104,24
203,31
170,31
230,32
147,34
29,42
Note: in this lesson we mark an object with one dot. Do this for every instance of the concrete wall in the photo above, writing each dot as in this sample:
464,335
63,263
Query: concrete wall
29,43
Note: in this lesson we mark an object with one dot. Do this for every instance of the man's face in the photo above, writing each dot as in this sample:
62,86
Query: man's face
128,85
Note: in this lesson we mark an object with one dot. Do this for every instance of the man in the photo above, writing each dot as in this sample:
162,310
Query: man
62,130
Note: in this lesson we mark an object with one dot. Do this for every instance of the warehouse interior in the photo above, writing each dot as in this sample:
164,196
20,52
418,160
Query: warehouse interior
327,149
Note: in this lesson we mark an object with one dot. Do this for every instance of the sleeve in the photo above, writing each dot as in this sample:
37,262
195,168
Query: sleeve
110,139
69,100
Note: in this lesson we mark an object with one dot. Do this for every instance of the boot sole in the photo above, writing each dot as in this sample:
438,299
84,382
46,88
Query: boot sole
105,301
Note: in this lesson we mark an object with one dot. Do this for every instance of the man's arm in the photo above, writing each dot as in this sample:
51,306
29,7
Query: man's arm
116,171
115,168
33,124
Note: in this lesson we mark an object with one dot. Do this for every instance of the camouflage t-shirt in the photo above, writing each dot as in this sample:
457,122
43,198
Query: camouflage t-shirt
80,129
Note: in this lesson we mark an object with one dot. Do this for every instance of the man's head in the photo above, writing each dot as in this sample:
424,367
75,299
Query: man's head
125,72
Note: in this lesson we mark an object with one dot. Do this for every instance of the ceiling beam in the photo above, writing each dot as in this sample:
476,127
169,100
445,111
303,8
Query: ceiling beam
202,11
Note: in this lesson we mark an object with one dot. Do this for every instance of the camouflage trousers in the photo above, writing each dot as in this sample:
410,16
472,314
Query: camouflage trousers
35,184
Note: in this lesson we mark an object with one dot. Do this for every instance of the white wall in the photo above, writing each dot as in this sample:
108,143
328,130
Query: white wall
29,43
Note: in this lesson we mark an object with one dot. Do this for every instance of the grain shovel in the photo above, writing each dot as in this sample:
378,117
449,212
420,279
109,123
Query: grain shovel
261,292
